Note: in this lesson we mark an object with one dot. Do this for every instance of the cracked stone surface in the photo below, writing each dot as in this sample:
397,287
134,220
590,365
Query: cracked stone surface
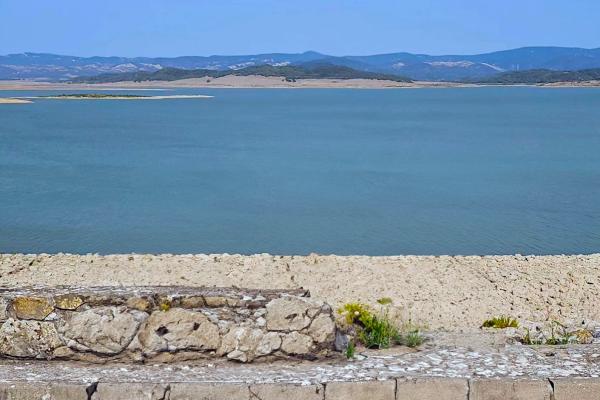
104,330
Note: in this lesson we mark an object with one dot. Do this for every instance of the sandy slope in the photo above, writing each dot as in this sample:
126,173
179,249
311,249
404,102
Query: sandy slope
443,292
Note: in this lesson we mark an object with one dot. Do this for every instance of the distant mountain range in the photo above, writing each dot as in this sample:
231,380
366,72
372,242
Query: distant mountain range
415,66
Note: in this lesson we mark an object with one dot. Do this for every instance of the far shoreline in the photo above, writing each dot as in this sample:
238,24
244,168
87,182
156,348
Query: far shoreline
261,82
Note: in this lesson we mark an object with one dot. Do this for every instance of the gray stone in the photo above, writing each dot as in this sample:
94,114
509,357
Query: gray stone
341,341
178,329
205,391
241,343
104,330
33,339
42,391
3,310
510,389
322,329
282,391
576,388
432,389
290,313
270,342
366,390
297,343
132,391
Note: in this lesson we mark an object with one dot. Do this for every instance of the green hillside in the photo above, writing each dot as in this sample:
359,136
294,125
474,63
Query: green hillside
289,72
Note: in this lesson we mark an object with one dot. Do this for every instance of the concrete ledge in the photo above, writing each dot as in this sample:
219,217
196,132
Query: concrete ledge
576,388
510,389
392,389
163,324
432,389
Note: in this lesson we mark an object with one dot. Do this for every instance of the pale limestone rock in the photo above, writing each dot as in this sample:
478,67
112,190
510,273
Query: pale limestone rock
365,390
270,342
245,344
296,343
36,308
3,310
104,330
322,329
178,329
32,339
290,313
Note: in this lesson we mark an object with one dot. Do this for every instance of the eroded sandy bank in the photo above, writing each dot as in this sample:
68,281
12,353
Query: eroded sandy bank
443,292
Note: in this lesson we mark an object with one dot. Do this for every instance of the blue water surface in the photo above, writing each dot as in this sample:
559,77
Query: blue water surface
379,172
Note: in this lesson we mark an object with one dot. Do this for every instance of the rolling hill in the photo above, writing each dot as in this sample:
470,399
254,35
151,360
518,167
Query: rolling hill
415,66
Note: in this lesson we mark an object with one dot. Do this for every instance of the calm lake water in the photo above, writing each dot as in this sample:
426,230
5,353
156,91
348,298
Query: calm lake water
379,172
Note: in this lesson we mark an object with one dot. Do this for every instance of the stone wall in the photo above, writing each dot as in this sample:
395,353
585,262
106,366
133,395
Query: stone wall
163,324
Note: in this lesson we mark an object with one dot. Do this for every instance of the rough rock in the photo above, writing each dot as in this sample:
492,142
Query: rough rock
290,313
270,342
3,310
104,330
68,302
245,344
139,303
33,339
322,329
36,308
296,343
178,329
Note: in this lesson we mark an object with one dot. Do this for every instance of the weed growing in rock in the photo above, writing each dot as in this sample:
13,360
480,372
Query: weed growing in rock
377,330
501,322
350,350
413,339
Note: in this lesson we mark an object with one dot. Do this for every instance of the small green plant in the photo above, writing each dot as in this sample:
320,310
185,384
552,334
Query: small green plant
350,350
500,322
165,305
354,312
413,339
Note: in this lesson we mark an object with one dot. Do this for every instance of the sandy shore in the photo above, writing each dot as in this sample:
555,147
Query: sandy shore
443,292
120,97
229,81
13,101
232,81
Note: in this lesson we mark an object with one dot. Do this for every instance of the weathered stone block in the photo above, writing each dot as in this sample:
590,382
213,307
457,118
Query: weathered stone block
297,343
290,313
178,329
322,329
281,391
366,390
507,389
36,308
199,391
104,330
42,391
68,301
576,388
432,389
31,339
132,391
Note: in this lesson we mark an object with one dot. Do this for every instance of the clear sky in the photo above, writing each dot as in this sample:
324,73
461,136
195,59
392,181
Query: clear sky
338,27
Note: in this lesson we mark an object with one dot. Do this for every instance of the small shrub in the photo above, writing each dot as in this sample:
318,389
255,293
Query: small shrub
501,322
353,312
164,305
414,339
350,350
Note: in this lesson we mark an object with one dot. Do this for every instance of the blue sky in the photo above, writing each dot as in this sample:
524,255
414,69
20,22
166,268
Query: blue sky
205,27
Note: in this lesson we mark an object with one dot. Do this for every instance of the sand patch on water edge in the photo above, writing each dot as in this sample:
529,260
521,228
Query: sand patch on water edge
13,101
